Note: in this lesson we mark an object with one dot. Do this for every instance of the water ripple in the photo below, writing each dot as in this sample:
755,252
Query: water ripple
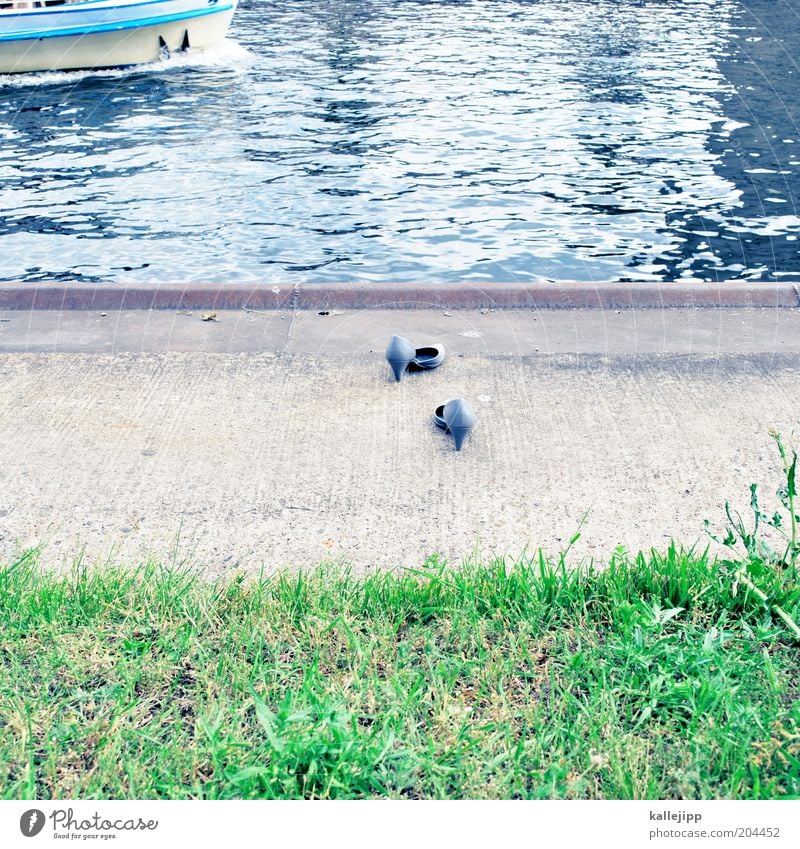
383,140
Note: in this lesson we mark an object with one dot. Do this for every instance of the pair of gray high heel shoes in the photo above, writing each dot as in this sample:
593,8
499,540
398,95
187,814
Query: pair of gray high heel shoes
456,416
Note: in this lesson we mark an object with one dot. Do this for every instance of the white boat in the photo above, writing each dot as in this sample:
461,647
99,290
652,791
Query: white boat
61,35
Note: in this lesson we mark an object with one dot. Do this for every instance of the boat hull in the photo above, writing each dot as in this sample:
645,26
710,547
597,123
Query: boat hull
114,48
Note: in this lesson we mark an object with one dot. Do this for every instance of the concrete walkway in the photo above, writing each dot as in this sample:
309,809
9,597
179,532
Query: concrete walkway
279,439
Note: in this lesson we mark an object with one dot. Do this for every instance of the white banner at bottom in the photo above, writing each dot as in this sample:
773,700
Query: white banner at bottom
366,825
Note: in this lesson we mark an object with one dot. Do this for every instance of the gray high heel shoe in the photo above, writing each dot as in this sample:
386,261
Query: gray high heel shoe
402,355
456,417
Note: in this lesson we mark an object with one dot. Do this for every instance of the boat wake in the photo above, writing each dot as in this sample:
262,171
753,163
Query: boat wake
228,54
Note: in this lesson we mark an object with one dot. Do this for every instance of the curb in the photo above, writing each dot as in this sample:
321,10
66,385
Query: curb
357,296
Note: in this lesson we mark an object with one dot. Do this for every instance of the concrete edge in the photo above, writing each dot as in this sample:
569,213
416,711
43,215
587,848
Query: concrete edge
357,296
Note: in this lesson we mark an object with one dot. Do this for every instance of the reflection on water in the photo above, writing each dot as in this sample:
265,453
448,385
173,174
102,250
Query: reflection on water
389,140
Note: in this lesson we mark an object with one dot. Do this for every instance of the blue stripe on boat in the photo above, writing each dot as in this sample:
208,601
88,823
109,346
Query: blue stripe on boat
79,8
32,35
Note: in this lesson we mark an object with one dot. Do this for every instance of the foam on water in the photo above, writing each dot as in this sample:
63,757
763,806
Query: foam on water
227,54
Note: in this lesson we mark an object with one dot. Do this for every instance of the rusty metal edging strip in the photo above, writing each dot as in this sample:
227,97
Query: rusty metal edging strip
355,296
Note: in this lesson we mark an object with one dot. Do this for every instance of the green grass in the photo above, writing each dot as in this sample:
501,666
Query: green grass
649,678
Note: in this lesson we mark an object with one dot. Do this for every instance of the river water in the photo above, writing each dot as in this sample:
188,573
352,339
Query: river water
390,140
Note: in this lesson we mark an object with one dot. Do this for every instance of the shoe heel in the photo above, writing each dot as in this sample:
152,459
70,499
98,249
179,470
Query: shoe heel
459,435
399,368
400,353
460,418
